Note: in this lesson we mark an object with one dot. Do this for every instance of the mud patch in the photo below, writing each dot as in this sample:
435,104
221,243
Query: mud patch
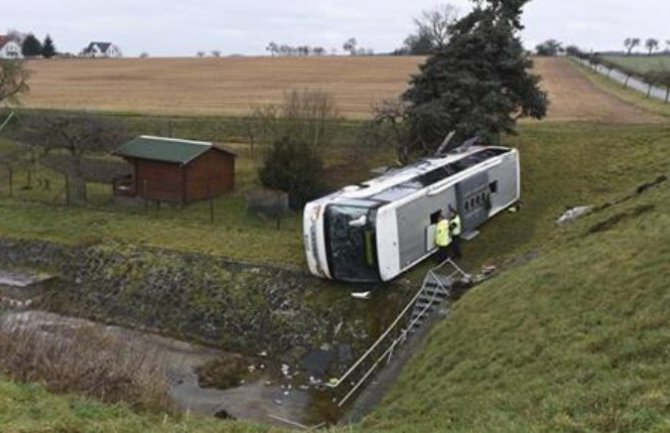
614,220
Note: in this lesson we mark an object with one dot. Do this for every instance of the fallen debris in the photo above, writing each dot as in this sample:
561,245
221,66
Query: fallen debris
573,213
361,295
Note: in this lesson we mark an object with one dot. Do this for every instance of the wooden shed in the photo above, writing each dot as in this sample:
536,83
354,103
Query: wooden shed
176,170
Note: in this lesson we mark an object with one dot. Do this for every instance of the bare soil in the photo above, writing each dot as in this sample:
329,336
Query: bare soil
574,98
231,86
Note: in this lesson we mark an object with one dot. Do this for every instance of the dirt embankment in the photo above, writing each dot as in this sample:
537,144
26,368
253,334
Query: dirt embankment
574,98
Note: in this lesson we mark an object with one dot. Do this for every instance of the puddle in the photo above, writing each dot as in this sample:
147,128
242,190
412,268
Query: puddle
269,403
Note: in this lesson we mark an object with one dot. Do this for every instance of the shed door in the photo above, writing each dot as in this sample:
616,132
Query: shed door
474,201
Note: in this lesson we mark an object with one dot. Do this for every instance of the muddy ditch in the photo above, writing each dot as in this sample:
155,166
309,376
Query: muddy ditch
258,336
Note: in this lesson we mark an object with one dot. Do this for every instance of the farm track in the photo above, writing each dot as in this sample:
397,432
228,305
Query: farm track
574,98
230,86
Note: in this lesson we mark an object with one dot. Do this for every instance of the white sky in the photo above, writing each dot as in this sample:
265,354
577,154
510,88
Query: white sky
181,28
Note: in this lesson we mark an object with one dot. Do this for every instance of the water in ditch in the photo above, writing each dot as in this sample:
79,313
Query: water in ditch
201,380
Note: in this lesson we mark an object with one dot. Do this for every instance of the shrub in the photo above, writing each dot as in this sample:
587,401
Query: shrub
292,166
85,361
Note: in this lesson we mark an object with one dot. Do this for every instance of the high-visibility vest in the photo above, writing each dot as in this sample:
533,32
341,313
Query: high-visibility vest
442,236
456,225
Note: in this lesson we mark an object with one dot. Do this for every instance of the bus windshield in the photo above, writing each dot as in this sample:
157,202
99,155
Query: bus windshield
351,243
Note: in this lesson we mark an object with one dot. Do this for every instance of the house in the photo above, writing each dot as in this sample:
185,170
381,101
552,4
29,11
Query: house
9,48
101,49
175,170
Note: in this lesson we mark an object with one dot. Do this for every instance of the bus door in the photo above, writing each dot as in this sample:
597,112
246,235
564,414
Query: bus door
474,201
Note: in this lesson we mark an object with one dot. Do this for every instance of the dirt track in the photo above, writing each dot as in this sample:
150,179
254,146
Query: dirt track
574,98
230,86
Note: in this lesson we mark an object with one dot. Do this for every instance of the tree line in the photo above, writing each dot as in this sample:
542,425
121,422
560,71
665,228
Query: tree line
31,46
651,44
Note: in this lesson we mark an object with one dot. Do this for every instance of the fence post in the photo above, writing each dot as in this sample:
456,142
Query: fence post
211,202
67,190
11,181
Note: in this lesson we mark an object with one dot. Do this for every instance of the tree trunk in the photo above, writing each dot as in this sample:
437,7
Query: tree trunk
649,90
667,94
625,83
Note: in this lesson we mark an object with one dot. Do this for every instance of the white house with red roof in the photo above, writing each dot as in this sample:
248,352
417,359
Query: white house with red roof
9,48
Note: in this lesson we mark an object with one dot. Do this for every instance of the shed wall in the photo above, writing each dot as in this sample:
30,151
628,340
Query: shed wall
209,175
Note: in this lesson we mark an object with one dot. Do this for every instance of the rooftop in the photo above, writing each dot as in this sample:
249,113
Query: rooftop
173,150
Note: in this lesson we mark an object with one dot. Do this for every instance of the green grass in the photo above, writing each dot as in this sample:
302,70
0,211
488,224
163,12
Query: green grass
31,409
642,64
629,95
575,340
37,213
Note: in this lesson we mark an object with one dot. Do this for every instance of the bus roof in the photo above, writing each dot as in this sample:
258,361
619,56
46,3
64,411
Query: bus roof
398,183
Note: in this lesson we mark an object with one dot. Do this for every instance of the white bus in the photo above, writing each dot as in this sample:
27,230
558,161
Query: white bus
378,229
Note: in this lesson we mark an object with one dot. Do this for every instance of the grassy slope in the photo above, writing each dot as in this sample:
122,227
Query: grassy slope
642,64
577,340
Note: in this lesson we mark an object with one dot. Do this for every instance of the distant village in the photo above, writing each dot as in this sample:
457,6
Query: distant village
18,45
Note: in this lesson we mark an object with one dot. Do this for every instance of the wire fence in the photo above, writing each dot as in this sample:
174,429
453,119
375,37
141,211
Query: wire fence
628,81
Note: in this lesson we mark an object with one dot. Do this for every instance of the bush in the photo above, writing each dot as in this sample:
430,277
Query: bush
292,166
85,361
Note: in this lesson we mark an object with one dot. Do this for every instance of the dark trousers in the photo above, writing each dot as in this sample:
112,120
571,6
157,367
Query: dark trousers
456,247
442,254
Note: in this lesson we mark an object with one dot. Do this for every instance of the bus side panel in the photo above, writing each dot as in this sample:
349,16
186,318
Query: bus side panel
504,185
414,218
387,243
473,196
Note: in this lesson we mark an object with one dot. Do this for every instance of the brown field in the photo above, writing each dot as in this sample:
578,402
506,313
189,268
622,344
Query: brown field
230,86
211,86
574,98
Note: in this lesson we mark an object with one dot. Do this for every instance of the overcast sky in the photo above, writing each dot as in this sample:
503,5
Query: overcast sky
180,28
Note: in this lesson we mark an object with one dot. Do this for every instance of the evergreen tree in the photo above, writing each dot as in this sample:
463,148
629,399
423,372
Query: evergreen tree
31,46
291,165
478,83
48,48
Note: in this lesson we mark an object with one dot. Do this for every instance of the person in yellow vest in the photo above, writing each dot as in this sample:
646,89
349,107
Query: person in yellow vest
455,231
442,237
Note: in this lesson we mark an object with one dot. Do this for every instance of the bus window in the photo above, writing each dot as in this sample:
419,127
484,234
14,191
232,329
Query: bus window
493,187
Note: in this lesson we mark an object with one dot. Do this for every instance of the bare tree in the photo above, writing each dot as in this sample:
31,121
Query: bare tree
273,48
350,46
200,54
74,136
630,44
651,44
308,115
389,128
13,80
436,24
216,53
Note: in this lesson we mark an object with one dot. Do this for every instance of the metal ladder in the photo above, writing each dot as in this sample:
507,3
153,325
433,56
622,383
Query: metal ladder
434,290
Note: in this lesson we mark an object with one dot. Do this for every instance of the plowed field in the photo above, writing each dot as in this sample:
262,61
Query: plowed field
230,86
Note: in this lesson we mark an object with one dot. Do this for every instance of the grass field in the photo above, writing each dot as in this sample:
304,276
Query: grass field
572,337
642,64
574,340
